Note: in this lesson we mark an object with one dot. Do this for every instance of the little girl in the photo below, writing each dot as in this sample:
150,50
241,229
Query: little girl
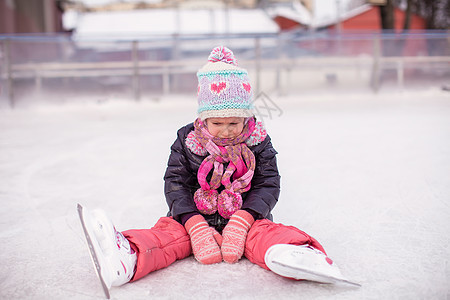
221,185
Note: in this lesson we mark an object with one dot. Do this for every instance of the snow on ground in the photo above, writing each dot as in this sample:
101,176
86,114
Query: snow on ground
367,175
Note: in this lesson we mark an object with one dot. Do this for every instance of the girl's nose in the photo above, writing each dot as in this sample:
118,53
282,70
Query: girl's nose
227,132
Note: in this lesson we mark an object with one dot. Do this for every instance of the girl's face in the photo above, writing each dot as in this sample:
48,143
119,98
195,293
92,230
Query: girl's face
225,127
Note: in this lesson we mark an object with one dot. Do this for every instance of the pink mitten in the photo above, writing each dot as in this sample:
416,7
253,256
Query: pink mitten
235,234
204,243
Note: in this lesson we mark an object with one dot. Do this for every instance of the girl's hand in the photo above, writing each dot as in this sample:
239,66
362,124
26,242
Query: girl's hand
205,240
235,234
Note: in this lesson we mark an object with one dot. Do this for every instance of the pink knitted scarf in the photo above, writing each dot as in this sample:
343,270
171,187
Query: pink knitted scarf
241,167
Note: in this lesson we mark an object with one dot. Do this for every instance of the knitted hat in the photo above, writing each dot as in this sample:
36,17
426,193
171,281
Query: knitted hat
224,89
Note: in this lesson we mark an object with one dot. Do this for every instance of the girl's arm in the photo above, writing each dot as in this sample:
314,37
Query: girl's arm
180,181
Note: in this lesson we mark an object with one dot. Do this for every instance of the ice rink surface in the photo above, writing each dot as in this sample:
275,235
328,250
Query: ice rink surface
367,175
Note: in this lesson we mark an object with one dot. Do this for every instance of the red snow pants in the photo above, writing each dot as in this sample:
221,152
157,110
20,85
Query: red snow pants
168,241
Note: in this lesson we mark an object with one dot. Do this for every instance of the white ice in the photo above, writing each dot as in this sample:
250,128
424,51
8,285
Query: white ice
367,175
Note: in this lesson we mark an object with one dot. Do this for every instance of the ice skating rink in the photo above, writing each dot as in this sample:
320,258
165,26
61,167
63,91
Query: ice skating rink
367,175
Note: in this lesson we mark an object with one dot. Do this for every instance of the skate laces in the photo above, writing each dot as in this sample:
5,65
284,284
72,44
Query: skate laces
317,251
308,246
122,242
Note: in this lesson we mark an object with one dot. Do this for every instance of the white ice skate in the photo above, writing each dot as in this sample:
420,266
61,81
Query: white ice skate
113,258
304,262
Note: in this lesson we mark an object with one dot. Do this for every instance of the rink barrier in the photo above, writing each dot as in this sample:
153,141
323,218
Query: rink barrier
39,71
281,65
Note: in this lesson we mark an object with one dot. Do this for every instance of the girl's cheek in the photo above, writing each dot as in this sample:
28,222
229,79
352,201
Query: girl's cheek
214,131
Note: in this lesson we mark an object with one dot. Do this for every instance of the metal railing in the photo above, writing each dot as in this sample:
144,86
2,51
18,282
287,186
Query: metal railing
282,63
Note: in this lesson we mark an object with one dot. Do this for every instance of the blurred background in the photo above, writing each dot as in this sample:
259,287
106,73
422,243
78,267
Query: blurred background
64,50
355,96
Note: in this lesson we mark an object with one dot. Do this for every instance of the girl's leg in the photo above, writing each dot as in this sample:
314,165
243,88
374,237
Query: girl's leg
159,246
265,233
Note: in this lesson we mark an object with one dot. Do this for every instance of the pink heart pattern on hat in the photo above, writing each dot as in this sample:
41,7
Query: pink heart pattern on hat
218,87
247,86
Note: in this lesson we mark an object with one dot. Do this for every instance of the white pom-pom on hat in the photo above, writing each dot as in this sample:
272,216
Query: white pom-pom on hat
223,54
221,59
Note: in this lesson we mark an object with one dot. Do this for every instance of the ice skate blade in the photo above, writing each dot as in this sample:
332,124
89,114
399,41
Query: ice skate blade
92,253
315,276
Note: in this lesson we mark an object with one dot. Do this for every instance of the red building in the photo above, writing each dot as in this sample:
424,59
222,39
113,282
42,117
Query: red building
25,16
368,17
365,17
286,23
30,17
